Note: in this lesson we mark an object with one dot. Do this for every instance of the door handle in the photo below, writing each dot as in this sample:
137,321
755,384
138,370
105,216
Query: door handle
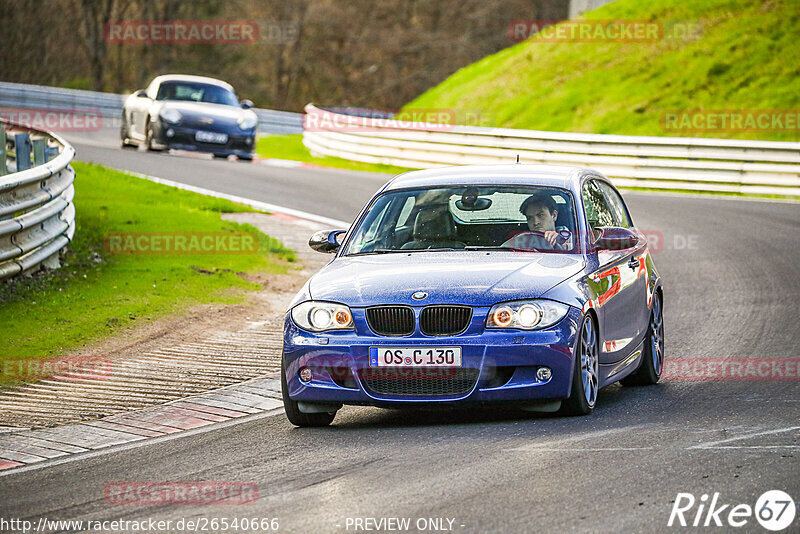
633,263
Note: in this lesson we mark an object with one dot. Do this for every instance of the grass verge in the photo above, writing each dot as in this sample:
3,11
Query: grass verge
99,292
291,147
739,55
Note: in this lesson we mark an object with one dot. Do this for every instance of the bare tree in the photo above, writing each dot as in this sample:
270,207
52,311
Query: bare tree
366,53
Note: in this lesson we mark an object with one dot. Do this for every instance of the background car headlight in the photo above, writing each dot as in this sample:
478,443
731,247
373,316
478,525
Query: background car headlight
526,314
171,115
316,316
248,121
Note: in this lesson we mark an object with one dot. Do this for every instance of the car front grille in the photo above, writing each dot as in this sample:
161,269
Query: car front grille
444,320
391,320
419,381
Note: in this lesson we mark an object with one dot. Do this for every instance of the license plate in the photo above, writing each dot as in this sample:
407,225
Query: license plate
415,356
211,137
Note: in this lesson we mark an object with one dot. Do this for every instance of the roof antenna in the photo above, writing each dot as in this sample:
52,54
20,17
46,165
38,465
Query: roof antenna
517,158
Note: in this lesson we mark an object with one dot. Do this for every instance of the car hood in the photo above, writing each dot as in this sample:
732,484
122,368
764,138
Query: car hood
474,278
205,109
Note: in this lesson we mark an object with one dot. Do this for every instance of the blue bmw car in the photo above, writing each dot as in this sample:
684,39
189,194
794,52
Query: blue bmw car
523,284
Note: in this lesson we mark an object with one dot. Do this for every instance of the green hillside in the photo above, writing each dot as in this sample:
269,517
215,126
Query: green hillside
740,55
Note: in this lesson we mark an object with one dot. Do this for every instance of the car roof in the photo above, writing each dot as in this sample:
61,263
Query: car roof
563,176
191,78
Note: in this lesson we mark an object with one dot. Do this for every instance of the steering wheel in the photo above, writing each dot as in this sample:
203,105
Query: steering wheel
531,236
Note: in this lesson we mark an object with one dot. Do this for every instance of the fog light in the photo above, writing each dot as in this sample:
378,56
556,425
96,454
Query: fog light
544,374
305,374
170,132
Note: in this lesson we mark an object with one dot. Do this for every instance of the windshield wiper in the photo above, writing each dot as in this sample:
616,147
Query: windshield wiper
445,249
376,251
504,249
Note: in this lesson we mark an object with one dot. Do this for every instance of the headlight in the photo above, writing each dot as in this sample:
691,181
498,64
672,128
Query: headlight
316,316
171,115
248,121
526,314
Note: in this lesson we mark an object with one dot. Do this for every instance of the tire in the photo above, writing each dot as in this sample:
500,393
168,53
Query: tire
293,413
585,377
652,364
220,156
149,138
124,135
245,158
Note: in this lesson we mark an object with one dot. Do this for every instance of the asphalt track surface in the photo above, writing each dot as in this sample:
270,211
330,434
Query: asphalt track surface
732,282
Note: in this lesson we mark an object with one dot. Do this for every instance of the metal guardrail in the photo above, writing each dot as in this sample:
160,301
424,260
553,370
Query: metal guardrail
37,216
697,164
109,105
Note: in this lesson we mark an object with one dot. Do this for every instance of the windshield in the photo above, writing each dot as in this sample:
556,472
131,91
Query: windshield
196,92
521,218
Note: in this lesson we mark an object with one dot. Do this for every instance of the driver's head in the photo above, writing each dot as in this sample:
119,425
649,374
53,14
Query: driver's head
540,210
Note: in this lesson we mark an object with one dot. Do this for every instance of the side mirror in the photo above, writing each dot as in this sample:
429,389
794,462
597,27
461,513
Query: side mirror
325,241
246,104
141,93
614,238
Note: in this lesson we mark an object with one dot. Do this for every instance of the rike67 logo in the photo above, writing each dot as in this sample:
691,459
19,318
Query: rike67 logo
774,510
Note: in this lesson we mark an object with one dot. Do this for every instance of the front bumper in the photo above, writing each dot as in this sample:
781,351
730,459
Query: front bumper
503,362
182,137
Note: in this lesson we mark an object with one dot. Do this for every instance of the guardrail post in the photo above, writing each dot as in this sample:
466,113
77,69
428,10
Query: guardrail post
22,148
3,154
38,152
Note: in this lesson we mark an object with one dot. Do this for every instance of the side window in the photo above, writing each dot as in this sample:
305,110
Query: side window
616,204
369,228
598,213
372,230
402,219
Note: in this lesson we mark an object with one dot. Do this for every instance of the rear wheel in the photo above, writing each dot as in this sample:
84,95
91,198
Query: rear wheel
293,413
649,371
585,377
124,134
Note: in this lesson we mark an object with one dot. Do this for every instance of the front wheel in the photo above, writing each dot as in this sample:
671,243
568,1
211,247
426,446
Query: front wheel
149,139
585,377
293,413
649,371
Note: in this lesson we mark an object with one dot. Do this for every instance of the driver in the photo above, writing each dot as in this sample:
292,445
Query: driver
541,213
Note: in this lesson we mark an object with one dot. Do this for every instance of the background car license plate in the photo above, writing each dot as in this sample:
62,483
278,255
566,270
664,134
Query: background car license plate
415,356
211,137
